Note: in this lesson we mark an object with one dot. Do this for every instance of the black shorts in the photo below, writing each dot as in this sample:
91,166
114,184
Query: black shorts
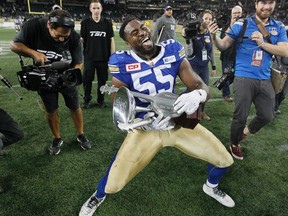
50,99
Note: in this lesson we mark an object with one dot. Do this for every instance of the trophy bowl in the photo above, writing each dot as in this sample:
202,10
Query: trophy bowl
124,107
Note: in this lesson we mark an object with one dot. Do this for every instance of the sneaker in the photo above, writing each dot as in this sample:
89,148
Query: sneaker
90,206
84,142
205,116
219,195
86,105
228,99
236,152
54,149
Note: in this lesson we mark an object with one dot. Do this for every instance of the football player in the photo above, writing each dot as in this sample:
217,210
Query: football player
150,69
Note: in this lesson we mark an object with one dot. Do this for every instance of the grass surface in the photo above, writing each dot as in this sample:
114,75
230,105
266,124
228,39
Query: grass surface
36,183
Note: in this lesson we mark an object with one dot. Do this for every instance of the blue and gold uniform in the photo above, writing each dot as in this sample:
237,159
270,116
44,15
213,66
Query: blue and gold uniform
139,147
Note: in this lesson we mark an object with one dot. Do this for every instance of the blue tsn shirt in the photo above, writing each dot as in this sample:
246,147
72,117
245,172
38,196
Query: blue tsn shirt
148,77
246,49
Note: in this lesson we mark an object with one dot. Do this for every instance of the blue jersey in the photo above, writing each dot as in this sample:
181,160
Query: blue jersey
148,77
247,48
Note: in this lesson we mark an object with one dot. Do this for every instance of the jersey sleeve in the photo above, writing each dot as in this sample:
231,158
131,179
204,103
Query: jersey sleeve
282,36
114,65
236,30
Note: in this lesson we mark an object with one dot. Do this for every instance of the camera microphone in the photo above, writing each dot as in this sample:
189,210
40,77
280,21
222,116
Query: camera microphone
60,65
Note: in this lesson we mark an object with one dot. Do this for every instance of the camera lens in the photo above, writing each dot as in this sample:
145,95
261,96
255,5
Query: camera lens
69,78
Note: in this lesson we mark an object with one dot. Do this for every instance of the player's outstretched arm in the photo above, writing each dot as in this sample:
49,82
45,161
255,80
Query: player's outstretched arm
190,79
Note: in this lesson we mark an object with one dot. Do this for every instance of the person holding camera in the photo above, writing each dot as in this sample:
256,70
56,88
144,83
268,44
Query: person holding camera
54,39
199,48
158,67
228,56
98,41
262,37
165,26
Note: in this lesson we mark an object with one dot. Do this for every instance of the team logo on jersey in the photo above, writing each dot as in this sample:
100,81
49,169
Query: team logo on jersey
273,31
133,67
207,39
169,59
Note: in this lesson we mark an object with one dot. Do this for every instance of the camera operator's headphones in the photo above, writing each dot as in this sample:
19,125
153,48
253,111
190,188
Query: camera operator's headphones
61,21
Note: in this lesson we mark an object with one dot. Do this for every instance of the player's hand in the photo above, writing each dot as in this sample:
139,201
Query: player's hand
189,102
159,122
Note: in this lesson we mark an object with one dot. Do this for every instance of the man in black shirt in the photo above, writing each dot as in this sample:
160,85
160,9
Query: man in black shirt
98,42
54,40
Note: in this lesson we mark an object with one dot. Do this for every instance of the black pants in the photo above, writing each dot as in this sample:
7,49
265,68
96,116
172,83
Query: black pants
10,132
89,75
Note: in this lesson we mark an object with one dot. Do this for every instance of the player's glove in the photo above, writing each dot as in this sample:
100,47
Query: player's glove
189,102
159,122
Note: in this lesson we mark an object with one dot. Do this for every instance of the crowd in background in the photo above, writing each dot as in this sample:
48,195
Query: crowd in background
142,10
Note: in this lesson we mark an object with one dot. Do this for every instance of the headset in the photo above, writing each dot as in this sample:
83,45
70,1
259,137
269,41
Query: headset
58,21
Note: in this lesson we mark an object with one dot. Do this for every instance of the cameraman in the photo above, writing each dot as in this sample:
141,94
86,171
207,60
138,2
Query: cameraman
200,49
228,56
54,39
252,82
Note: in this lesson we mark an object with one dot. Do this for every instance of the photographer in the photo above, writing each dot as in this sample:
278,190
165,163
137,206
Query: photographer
54,39
228,56
252,82
200,47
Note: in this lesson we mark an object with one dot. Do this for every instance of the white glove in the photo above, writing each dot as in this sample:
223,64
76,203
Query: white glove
159,123
189,102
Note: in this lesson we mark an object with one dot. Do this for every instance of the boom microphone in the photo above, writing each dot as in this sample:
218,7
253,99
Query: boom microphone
60,65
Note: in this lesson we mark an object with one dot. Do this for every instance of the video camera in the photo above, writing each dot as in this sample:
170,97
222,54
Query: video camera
52,77
223,20
228,75
191,25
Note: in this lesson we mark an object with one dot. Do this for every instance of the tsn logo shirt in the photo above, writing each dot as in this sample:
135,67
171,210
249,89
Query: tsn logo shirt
98,35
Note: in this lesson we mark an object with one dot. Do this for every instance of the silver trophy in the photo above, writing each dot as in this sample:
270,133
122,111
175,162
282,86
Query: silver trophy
124,107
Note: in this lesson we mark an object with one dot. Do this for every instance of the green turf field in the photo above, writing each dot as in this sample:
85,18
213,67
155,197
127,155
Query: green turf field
37,184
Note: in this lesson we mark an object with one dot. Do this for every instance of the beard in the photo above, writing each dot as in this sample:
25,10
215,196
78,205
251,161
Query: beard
145,52
264,14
